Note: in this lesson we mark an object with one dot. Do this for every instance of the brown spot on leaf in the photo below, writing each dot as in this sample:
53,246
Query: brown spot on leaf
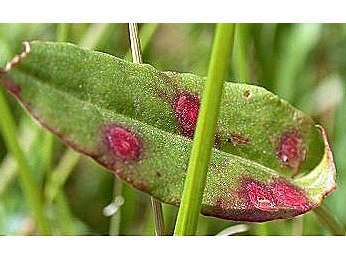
237,139
247,94
217,141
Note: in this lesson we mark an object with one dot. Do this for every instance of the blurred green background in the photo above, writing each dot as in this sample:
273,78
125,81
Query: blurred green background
302,63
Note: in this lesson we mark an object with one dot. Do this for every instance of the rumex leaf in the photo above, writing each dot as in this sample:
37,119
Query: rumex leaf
270,161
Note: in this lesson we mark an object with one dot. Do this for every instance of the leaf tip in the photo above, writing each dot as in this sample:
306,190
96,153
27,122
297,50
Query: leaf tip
330,161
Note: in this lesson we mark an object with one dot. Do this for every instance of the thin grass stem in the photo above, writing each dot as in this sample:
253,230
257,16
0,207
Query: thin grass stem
137,58
145,35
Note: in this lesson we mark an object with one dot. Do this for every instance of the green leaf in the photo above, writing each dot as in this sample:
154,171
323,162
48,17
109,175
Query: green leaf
270,161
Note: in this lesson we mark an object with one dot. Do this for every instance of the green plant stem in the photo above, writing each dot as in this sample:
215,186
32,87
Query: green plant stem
94,35
66,218
47,151
296,47
28,136
61,173
329,220
62,32
31,191
205,131
137,58
240,59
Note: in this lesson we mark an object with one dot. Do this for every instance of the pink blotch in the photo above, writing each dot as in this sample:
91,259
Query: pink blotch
259,196
287,195
122,143
290,150
186,108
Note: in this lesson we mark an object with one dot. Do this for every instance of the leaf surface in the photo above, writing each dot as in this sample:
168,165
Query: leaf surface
270,161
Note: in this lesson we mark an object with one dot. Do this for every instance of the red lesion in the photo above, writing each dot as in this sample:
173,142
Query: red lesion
259,196
277,194
186,108
261,201
290,196
122,143
290,150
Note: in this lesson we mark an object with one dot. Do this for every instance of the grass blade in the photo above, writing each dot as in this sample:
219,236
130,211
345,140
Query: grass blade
204,136
31,191
332,224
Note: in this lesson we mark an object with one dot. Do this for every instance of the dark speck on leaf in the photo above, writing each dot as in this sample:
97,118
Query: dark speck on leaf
247,94
237,139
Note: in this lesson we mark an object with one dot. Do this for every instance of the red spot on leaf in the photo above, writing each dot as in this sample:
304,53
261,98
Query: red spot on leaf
259,196
122,143
290,150
290,196
186,107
